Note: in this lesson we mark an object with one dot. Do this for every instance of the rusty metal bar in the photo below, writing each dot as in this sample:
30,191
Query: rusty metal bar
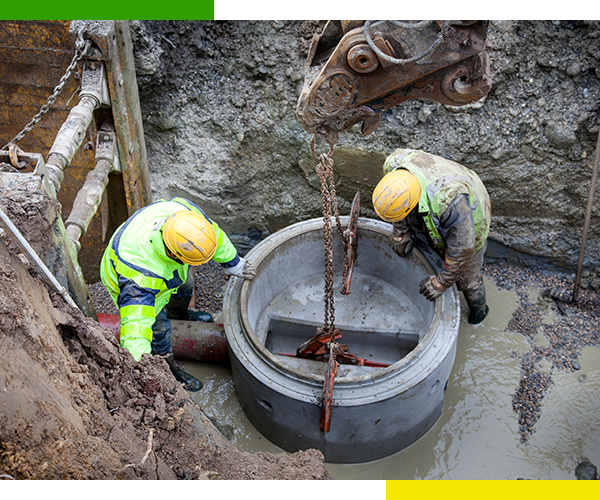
327,400
351,245
34,259
90,195
586,224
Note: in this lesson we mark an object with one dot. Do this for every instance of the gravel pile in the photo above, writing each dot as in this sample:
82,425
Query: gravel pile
210,287
103,303
575,326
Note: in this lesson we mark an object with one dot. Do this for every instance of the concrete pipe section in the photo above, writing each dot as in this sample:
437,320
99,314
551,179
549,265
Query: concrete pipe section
377,411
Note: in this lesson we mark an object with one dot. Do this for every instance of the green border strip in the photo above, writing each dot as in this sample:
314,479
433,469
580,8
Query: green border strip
109,9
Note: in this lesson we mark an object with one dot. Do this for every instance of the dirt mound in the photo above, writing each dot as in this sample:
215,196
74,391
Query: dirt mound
75,405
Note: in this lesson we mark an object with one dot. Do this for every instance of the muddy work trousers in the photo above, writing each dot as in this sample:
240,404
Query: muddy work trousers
471,279
177,308
473,288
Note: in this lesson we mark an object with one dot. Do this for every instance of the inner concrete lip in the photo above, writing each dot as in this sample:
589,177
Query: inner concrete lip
383,319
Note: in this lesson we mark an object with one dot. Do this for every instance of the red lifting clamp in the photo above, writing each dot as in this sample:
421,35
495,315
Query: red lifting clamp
324,347
351,237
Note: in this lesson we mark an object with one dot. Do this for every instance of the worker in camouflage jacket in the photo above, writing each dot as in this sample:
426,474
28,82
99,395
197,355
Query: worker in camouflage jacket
421,193
145,267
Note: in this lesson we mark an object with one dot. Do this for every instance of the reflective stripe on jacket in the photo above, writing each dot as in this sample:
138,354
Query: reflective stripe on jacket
141,277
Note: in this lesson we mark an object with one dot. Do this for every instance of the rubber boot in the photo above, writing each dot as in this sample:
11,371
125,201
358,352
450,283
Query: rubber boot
190,383
195,315
478,309
178,309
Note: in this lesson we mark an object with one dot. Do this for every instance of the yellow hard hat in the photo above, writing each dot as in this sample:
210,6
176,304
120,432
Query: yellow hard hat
396,195
190,236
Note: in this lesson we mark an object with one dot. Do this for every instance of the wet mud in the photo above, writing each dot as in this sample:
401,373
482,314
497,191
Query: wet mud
515,406
557,343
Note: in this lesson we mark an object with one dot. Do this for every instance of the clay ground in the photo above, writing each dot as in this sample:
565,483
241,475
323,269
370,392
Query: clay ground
75,405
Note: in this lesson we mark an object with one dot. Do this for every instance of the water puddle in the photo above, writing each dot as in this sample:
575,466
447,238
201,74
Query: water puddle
477,436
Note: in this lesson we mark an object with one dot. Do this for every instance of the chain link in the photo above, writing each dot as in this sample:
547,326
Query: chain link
324,171
81,48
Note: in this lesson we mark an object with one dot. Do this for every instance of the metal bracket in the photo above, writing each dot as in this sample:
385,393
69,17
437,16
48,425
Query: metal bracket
33,177
348,81
324,347
93,82
106,146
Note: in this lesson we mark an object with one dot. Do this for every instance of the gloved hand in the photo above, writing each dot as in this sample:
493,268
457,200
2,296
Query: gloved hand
243,269
402,245
431,288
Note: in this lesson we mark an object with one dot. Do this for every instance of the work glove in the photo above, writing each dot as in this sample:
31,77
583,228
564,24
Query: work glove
401,240
431,288
243,269
402,245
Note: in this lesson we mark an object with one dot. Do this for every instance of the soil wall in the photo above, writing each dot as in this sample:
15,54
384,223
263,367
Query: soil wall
218,102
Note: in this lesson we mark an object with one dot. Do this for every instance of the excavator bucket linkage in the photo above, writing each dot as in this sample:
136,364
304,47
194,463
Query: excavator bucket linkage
355,70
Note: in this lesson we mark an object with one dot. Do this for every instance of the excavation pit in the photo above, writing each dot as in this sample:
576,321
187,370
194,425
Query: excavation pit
408,343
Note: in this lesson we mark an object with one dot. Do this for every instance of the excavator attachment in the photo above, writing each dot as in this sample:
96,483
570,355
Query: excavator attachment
355,70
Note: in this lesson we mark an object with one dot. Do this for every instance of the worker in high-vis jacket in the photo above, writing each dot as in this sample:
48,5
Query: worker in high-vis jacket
145,267
421,193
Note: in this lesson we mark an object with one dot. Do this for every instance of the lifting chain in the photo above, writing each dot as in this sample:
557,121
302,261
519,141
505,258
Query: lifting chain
81,48
324,345
324,171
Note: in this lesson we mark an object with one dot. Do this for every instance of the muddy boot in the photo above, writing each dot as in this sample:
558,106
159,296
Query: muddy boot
190,383
178,309
194,315
478,309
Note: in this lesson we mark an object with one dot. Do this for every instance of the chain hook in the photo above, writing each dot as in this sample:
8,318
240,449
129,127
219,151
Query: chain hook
81,44
312,149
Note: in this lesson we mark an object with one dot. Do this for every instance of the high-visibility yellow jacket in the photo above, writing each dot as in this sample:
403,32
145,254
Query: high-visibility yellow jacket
141,277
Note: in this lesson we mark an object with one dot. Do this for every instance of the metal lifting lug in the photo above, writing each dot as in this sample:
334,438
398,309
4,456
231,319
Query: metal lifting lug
106,145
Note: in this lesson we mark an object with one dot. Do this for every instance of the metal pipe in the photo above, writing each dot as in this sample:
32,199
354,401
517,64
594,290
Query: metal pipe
34,259
89,197
586,224
69,139
87,202
192,340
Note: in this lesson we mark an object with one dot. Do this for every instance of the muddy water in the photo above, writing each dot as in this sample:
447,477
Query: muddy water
477,434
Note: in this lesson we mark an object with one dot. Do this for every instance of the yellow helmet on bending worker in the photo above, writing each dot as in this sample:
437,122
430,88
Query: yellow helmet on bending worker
190,237
396,195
